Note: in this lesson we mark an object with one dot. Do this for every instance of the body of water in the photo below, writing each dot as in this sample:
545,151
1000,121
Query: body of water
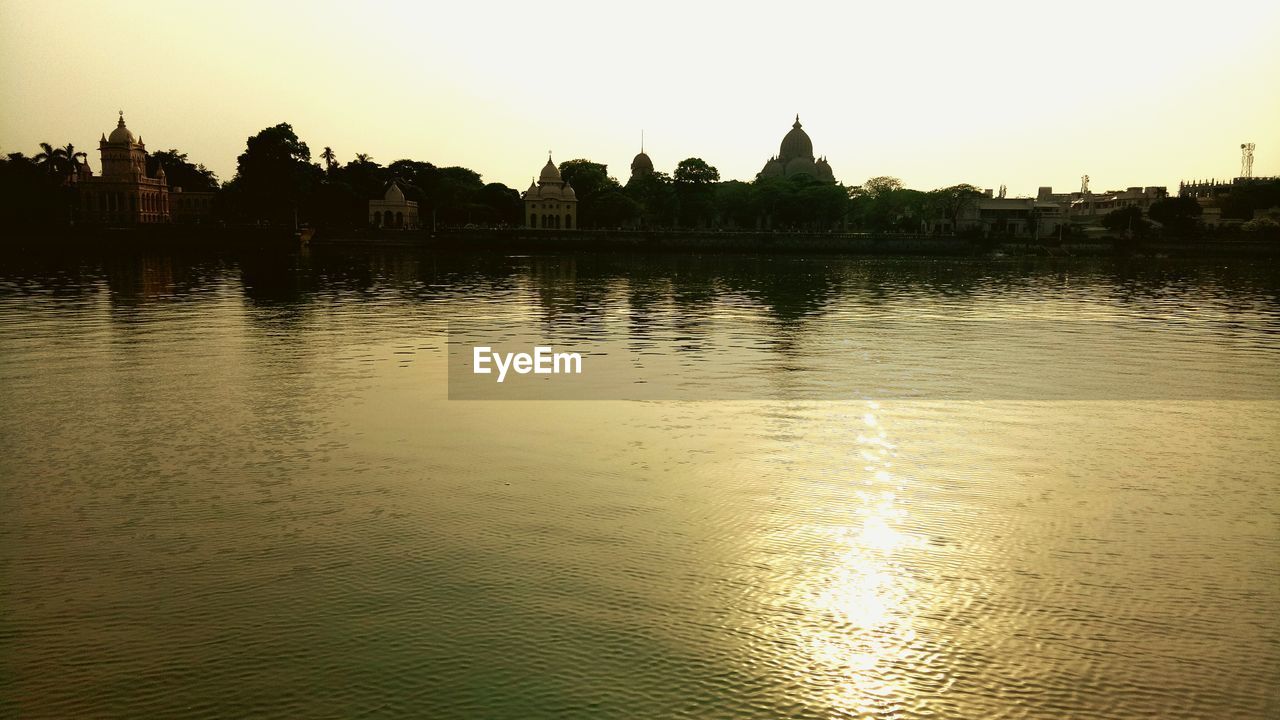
238,487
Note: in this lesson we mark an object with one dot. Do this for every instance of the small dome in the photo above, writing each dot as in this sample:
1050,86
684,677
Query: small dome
569,194
550,174
773,168
641,164
121,134
796,144
394,193
824,171
532,192
801,166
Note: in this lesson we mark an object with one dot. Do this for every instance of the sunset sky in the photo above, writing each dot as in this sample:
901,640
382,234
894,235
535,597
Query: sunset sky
1021,94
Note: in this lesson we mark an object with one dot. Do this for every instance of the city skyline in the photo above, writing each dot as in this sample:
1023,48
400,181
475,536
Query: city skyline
494,96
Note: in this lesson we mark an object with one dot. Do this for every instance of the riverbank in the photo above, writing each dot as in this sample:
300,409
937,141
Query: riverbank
518,240
528,240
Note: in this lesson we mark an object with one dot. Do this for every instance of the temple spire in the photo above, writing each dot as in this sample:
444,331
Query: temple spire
797,121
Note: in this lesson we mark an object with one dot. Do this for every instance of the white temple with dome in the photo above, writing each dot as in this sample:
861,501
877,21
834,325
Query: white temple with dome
393,210
795,157
550,202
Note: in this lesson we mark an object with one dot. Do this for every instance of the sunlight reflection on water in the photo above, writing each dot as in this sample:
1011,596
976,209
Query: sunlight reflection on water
239,489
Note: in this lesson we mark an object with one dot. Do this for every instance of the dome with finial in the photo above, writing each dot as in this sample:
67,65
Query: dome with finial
568,193
823,170
796,143
121,134
642,164
550,173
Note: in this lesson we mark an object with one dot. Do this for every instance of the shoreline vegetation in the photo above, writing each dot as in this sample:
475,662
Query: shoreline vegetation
279,190
97,240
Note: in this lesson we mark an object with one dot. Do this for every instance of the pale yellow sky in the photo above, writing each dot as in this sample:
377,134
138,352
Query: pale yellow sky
1016,93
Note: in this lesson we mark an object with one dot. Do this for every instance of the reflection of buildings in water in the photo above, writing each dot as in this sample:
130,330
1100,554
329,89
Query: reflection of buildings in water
643,298
564,290
146,278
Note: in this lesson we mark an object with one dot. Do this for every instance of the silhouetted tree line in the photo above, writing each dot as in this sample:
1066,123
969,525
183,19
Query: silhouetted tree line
275,183
278,182
694,196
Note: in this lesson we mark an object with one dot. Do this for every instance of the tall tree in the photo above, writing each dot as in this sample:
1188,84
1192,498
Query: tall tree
599,203
330,160
181,172
694,182
274,174
735,203
654,198
365,176
29,195
51,159
501,204
1178,215
881,184
1126,220
951,202
74,159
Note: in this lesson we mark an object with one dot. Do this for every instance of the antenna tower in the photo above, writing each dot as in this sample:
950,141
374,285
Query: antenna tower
1246,160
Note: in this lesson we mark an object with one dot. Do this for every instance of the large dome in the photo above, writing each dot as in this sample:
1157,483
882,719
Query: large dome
121,134
550,174
796,144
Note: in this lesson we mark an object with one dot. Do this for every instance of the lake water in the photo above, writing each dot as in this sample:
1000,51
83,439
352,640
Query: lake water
236,486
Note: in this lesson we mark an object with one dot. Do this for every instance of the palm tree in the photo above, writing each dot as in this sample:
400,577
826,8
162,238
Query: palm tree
330,160
52,159
363,158
73,158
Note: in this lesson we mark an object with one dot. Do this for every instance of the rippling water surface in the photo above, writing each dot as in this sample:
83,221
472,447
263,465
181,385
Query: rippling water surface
236,487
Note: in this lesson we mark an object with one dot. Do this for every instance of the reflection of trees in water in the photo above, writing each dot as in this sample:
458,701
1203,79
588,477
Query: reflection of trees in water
275,279
580,289
789,289
54,281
